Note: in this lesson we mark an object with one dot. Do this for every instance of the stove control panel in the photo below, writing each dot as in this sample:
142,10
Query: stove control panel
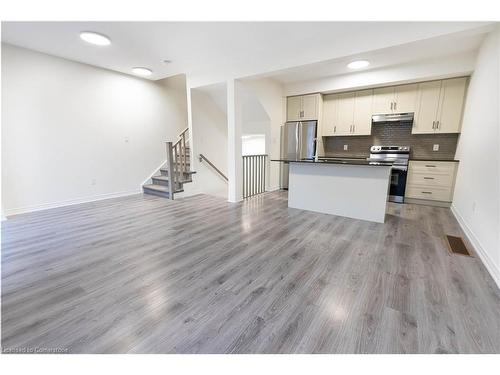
391,149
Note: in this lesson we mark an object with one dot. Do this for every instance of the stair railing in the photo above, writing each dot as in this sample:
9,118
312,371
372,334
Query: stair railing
254,174
202,157
177,162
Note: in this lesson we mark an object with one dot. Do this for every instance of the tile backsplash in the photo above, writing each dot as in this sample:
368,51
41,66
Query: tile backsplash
394,134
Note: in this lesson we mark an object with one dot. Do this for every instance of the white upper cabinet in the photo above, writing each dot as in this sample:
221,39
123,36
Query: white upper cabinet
293,108
302,108
405,98
330,120
451,105
383,100
437,107
363,107
428,97
310,106
347,113
440,106
395,99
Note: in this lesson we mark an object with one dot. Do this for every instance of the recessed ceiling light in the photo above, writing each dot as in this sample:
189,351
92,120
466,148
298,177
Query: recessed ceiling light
358,64
95,38
142,71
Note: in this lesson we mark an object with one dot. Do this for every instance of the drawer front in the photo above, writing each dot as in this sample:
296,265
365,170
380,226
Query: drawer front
430,180
430,193
433,167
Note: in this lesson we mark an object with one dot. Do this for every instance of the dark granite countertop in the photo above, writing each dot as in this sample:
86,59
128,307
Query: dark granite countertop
348,161
343,157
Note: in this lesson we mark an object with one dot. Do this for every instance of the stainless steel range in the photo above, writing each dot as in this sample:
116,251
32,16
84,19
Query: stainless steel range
399,156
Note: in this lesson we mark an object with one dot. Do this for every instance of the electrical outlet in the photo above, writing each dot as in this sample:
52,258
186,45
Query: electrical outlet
435,148
346,147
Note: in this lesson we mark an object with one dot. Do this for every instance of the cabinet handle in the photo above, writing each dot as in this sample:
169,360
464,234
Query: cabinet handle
335,129
437,124
354,128
395,105
392,105
430,166
433,124
426,192
428,178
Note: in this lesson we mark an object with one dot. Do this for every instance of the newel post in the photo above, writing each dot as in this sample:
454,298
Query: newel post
170,167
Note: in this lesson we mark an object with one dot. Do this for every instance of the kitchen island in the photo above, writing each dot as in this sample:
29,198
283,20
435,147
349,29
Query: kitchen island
353,188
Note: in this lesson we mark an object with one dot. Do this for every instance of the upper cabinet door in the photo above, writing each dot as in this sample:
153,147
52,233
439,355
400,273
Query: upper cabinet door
449,119
383,100
330,121
363,103
428,103
345,113
310,104
405,98
293,108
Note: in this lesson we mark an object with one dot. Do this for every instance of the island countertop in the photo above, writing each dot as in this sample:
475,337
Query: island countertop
347,161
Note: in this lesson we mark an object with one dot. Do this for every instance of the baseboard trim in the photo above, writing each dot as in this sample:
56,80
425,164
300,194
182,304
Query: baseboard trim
273,188
483,255
70,202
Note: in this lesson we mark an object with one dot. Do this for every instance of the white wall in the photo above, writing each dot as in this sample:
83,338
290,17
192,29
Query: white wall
452,66
209,124
73,133
254,144
476,201
269,93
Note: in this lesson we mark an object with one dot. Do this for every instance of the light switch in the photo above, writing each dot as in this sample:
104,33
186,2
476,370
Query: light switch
346,147
435,148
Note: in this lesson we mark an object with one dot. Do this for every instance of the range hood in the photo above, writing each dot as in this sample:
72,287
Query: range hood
393,117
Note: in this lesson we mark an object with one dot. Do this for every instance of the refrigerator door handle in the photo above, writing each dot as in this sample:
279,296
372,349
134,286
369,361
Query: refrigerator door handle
298,146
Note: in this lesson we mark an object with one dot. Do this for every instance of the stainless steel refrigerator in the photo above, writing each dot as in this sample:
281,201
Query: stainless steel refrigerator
298,141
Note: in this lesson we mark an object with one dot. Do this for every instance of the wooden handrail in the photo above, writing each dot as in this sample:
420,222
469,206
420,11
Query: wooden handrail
184,131
202,157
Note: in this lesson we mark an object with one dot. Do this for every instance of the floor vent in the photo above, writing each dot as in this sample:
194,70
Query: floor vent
457,246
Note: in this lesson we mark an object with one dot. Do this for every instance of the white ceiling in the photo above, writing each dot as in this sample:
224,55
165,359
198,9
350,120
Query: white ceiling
435,48
209,52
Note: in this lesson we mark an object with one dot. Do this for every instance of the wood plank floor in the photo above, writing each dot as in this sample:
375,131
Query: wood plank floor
143,274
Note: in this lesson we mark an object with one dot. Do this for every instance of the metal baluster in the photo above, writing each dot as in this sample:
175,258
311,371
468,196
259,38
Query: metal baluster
263,173
263,176
244,177
184,151
253,175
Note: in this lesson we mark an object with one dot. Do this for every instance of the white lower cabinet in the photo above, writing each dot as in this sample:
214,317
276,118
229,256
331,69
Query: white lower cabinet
431,180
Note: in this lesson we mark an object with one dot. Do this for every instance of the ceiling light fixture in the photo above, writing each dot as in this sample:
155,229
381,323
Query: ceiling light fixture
142,71
358,64
95,38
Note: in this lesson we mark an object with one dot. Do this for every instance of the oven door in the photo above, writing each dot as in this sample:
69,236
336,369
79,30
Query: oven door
398,184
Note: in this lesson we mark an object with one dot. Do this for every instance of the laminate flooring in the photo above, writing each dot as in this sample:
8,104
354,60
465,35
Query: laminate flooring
143,274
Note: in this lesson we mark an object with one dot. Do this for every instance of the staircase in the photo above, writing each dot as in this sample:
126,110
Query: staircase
174,173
